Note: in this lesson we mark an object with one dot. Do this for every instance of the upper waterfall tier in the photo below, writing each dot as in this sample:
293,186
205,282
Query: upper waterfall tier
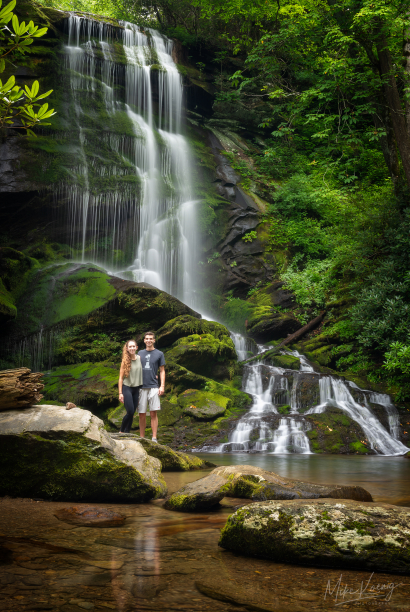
129,199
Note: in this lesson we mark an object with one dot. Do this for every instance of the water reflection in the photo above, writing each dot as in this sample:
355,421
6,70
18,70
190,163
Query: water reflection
157,560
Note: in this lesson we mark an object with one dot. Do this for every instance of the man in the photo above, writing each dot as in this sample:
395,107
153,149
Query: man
152,360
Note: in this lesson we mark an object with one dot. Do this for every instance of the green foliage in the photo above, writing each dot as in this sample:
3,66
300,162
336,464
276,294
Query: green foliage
311,284
250,236
18,105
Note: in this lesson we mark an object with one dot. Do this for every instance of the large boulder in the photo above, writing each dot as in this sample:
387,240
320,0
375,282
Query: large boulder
48,451
267,325
247,481
186,325
203,404
171,460
205,355
347,534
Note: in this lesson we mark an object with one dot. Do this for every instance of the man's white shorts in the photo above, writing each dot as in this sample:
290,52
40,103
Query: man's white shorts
150,398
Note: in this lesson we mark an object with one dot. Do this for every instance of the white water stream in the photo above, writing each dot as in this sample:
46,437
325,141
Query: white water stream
270,389
154,211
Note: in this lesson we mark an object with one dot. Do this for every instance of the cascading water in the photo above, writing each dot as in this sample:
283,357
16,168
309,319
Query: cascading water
149,217
335,392
260,430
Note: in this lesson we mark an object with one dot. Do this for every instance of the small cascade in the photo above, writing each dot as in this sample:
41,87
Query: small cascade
290,436
335,392
142,227
270,427
392,413
245,347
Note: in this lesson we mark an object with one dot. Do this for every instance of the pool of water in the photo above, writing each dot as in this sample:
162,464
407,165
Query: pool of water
163,561
386,478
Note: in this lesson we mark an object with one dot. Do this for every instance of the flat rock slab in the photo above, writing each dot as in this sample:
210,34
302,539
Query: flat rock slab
90,517
249,482
346,534
50,452
171,460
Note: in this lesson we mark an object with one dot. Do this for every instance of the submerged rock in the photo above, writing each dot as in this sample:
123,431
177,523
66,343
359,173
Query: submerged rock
171,460
90,517
247,481
47,451
347,534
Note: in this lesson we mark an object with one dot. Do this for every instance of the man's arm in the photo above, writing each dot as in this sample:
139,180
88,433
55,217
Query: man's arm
162,379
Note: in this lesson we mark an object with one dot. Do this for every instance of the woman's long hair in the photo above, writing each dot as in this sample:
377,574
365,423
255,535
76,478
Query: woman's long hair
126,359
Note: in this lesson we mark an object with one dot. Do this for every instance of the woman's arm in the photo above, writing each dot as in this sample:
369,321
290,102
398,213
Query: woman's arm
120,395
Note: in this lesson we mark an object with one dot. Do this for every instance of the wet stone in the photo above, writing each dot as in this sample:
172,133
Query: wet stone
90,517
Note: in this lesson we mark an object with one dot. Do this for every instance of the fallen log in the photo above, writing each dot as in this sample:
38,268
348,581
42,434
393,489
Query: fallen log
19,388
304,330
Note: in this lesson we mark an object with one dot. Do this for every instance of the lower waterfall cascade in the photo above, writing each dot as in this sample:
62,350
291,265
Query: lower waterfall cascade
270,388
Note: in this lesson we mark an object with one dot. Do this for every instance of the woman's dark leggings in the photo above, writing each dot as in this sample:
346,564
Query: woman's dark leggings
131,396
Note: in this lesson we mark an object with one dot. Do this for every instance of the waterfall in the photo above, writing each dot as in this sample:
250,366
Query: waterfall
261,430
336,392
129,197
254,431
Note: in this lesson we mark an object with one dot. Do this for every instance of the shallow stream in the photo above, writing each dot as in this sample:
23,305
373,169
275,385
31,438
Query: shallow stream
162,560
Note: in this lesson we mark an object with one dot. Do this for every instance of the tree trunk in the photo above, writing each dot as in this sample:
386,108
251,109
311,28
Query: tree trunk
19,388
394,104
304,330
388,145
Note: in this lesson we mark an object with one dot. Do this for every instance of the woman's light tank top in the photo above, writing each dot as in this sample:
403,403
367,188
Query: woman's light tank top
134,378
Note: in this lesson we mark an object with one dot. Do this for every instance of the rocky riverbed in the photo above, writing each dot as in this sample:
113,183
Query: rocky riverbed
161,560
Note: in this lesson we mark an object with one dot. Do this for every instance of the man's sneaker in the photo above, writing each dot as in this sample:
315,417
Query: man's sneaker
154,440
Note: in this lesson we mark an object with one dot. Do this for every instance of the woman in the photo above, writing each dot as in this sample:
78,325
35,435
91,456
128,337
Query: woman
129,383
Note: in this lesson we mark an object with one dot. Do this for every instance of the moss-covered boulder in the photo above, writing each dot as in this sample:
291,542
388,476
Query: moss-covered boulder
347,534
254,483
93,385
171,460
205,354
266,324
335,432
71,292
186,325
51,452
203,404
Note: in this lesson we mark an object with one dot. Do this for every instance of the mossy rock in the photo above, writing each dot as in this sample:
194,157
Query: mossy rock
186,325
15,269
60,454
334,432
285,409
266,325
203,404
250,482
347,534
93,385
206,355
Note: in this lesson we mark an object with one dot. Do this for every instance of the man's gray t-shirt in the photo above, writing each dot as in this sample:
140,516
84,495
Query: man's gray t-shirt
151,361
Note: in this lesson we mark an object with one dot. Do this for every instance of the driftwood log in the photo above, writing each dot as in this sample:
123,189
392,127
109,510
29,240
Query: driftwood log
19,388
304,330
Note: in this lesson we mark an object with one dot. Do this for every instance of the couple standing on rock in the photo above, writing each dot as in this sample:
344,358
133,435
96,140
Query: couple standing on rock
138,383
